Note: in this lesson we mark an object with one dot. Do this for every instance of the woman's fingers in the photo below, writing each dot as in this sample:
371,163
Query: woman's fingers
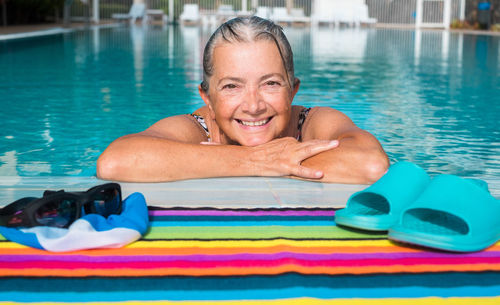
306,172
283,157
289,154
311,148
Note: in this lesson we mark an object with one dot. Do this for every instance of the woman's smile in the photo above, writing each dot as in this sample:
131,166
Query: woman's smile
254,123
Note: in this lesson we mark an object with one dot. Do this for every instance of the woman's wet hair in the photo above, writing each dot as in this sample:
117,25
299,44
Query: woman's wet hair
248,29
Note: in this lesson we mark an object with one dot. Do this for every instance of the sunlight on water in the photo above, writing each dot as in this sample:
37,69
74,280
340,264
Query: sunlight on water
430,97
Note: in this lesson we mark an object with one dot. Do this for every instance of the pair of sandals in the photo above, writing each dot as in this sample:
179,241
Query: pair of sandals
446,212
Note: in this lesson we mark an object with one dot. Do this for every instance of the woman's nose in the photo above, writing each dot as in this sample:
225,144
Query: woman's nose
253,102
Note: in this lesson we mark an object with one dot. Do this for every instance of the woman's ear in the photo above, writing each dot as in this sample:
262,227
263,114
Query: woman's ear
296,85
206,99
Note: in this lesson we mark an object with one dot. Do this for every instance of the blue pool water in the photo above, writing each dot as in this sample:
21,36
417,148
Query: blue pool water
430,97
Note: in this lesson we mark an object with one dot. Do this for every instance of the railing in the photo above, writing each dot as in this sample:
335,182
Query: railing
81,10
404,11
395,12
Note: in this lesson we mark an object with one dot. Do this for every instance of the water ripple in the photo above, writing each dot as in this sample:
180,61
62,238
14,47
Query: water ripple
439,111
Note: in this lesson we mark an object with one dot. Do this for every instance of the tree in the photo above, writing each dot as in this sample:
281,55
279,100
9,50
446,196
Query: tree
67,12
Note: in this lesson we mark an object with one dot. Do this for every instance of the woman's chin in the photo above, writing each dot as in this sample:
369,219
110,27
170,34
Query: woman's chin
254,141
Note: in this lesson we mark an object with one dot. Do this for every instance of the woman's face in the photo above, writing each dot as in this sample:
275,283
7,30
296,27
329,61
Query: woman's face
249,94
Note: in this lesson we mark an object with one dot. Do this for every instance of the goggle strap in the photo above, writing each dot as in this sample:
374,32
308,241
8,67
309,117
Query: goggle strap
16,206
49,192
10,211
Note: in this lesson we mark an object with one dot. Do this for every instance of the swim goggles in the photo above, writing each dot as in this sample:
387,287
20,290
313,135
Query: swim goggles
60,208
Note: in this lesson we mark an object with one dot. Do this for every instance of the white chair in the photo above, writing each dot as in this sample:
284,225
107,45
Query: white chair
225,12
298,15
344,13
156,16
137,10
280,15
190,14
323,12
263,12
361,15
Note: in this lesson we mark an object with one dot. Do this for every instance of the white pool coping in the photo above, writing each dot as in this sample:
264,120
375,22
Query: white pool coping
47,32
240,192
53,31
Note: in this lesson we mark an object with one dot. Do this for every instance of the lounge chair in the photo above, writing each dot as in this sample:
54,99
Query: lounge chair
280,15
156,16
225,12
350,12
137,10
190,14
263,12
323,12
344,13
299,16
361,15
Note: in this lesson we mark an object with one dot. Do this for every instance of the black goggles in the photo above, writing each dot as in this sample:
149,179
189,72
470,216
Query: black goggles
60,208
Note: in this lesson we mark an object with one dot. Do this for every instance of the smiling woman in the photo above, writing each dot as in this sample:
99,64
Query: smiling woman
250,103
248,126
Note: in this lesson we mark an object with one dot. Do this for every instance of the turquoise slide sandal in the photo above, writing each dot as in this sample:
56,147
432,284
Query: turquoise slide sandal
452,214
380,206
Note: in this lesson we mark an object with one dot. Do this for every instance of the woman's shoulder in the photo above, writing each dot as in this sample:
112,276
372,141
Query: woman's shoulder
183,127
322,121
202,112
321,114
324,110
317,114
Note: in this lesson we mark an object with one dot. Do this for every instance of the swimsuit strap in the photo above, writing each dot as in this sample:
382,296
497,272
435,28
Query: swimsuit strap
202,123
302,118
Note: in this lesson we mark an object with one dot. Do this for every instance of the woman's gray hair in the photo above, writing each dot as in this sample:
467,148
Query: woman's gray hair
248,29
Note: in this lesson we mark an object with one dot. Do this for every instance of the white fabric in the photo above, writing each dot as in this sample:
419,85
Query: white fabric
81,235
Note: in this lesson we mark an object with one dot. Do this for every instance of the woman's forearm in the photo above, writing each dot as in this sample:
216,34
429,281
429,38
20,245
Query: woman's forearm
355,160
139,158
149,159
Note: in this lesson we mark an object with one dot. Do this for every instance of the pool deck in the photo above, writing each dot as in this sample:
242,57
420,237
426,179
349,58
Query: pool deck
25,31
239,192
22,31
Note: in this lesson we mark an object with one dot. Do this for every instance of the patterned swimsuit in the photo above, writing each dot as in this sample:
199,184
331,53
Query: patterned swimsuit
302,118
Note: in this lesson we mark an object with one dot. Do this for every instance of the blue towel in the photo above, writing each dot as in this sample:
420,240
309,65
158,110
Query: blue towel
89,232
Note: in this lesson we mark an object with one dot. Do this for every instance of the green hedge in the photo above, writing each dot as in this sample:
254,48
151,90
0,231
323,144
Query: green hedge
33,11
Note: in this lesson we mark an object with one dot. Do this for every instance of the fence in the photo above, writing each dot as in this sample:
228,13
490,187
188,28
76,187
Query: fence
397,12
404,11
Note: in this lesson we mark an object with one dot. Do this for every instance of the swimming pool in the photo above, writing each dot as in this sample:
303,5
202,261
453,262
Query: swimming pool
431,97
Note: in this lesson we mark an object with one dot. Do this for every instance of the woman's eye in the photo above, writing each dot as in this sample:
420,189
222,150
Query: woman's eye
272,83
229,86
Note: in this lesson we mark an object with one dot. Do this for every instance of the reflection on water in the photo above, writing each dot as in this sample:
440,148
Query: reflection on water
431,97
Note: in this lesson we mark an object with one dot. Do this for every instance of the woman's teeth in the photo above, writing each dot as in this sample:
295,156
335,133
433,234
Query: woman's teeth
256,123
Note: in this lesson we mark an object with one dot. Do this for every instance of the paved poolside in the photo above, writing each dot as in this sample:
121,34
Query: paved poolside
32,30
17,29
239,192
27,28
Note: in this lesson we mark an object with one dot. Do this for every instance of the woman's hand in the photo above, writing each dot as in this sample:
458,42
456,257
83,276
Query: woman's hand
283,157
